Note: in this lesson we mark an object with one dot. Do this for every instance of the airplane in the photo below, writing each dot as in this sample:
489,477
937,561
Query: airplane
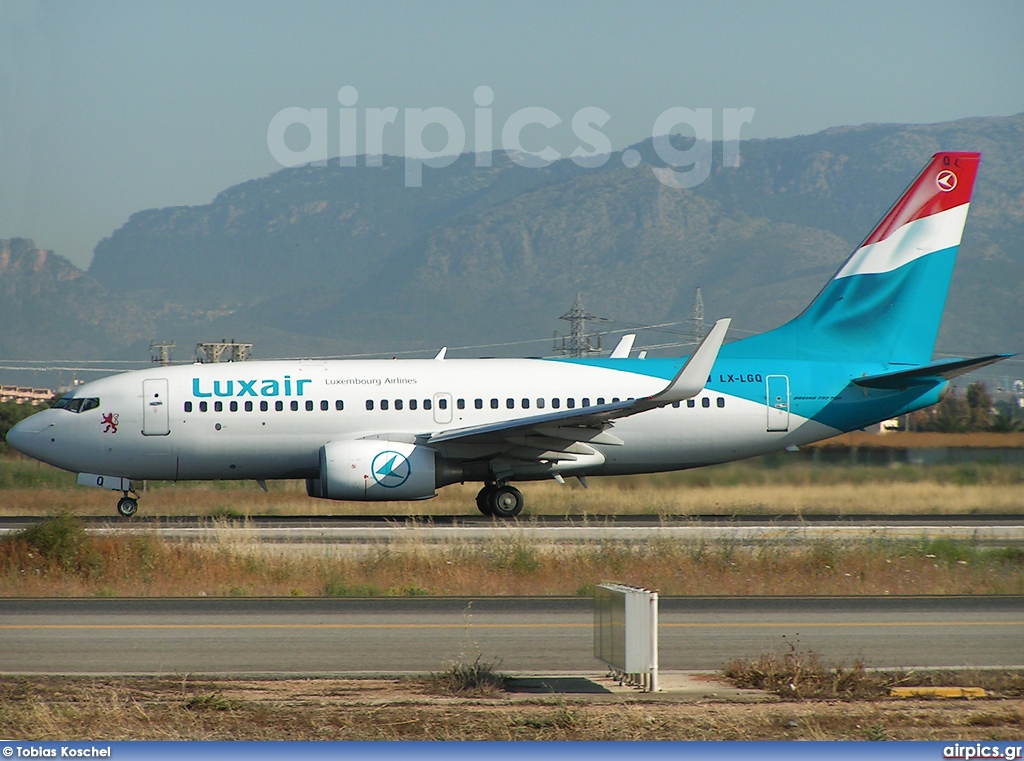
375,430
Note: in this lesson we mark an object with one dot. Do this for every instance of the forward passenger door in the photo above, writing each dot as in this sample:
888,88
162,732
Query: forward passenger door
155,408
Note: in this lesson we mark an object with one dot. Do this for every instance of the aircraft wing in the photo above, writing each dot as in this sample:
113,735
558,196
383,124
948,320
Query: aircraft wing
589,424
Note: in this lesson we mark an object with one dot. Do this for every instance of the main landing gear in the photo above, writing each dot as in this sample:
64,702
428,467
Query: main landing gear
500,500
128,506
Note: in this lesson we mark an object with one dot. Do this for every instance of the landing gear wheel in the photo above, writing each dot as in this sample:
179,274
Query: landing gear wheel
483,500
127,506
505,501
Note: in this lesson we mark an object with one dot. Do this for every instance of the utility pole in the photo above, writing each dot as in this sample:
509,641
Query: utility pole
160,353
223,351
578,343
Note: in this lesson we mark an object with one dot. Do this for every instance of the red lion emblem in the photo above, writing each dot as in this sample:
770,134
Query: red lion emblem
109,422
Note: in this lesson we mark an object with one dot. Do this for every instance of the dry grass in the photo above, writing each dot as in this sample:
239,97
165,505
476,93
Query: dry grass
799,675
761,487
333,709
477,679
909,440
82,564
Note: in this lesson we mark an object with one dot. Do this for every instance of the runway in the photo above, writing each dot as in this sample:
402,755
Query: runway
994,529
524,635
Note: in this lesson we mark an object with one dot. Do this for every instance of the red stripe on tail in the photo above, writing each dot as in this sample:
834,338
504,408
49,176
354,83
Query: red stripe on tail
945,183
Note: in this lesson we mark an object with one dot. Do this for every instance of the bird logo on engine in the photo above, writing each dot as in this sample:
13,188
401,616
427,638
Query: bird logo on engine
390,469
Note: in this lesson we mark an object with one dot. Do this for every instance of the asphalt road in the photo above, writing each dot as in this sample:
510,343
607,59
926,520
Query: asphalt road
548,635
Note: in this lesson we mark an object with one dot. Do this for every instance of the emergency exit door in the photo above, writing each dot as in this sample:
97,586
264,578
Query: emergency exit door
155,409
778,402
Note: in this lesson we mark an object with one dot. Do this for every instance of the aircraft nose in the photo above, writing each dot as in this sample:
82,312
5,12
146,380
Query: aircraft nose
16,437
24,435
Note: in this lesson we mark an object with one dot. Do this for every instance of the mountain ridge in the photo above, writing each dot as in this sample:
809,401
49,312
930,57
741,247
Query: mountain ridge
340,260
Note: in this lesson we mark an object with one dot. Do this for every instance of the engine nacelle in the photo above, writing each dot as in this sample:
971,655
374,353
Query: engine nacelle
374,470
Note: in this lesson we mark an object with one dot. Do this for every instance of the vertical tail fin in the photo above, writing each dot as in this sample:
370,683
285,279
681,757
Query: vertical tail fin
885,303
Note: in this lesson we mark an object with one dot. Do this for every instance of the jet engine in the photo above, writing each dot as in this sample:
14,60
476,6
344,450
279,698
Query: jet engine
374,470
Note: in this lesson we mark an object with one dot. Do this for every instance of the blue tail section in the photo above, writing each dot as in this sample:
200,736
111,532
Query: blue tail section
885,303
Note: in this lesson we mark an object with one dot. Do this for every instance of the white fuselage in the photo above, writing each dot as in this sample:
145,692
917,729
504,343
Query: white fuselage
210,421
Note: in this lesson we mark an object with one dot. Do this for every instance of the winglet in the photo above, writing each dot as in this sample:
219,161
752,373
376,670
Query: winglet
690,379
440,354
624,347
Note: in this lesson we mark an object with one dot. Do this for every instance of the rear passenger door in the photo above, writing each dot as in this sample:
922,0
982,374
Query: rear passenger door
778,402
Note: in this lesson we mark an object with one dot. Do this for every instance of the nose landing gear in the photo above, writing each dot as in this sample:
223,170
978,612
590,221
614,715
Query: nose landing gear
128,506
500,500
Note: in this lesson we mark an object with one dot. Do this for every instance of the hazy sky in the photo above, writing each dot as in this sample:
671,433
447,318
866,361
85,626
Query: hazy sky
107,108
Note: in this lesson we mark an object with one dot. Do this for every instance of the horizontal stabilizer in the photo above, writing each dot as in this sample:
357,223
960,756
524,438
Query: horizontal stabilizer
931,374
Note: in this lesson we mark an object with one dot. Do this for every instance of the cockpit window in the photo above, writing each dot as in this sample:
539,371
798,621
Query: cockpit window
81,404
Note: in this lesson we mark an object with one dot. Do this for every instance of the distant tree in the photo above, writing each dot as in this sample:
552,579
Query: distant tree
1004,422
951,415
921,420
979,404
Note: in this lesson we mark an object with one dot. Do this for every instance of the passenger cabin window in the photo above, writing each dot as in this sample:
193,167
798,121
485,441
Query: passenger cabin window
202,407
526,404
248,406
540,403
413,404
600,401
510,403
427,404
585,402
339,405
615,400
279,406
705,402
720,401
325,405
494,404
264,406
570,403
690,403
442,403
676,405
478,403
295,406
383,404
233,406
369,404
556,403
218,406
188,406
309,405
461,404
398,404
